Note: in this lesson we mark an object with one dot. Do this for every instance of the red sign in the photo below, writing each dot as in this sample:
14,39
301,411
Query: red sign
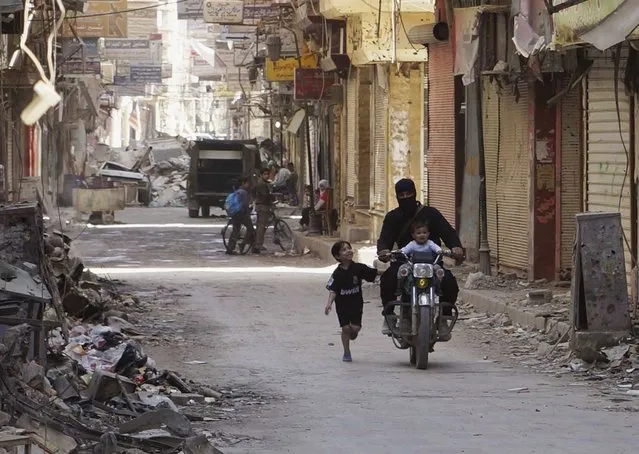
312,85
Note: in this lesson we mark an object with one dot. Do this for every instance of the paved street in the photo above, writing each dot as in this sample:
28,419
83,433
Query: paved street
258,323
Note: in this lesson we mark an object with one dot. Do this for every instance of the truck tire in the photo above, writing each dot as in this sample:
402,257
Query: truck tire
194,213
206,211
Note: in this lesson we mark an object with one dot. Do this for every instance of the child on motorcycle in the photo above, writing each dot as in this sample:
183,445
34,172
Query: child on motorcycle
421,240
345,289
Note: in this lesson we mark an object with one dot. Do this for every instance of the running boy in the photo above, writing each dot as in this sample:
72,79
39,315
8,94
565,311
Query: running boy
421,241
345,289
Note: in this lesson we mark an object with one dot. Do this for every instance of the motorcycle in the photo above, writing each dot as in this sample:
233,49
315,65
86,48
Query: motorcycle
420,323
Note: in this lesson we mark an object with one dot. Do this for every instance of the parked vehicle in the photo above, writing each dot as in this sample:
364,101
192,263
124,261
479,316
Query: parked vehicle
216,165
420,323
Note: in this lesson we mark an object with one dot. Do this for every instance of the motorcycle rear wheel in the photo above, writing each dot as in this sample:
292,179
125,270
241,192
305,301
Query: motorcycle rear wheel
422,341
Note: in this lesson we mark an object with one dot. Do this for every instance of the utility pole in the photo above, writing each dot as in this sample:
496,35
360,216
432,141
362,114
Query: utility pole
484,247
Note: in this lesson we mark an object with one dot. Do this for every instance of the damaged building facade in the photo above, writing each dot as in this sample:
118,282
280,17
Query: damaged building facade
549,92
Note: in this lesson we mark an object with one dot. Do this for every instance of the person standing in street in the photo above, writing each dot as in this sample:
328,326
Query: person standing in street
242,217
263,206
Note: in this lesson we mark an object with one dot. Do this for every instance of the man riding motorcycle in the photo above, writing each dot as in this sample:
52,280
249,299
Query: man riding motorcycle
396,229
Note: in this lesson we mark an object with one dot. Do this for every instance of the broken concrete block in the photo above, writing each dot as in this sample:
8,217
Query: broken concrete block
199,445
65,389
473,280
544,349
32,374
208,392
176,423
5,418
104,386
47,436
81,303
186,398
541,296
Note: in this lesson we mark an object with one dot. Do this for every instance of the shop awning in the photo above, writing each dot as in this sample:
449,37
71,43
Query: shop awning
296,121
602,24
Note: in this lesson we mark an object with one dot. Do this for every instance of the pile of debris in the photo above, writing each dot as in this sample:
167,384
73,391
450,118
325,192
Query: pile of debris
73,377
615,369
168,181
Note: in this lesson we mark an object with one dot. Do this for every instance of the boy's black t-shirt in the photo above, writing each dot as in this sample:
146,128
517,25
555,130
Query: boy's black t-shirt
347,283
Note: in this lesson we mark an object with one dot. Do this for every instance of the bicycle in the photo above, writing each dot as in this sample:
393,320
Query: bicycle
282,234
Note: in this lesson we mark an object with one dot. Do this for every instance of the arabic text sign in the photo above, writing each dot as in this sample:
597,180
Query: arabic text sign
142,22
76,66
146,74
104,19
311,85
220,12
132,49
138,74
190,9
283,69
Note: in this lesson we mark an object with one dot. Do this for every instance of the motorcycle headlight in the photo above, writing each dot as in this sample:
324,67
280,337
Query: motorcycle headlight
421,270
403,271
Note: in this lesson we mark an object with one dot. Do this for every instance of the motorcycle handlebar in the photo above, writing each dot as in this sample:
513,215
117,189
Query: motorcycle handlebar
398,253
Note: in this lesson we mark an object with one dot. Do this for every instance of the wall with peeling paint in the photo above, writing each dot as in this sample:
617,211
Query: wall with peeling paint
364,45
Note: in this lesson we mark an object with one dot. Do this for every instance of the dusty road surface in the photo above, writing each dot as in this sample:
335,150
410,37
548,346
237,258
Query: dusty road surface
261,327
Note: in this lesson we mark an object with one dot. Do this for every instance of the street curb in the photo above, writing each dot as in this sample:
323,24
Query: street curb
485,303
320,245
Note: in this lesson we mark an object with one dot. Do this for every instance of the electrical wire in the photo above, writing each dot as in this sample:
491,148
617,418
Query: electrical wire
130,10
616,63
28,15
53,36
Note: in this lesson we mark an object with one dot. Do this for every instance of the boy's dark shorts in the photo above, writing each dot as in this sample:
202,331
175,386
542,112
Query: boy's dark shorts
350,314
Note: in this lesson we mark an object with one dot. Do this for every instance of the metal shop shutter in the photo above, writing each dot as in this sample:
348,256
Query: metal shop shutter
314,134
606,163
441,130
513,175
351,134
425,137
380,141
570,202
490,105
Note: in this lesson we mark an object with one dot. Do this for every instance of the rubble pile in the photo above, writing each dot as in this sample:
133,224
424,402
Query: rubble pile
73,374
614,369
168,171
168,182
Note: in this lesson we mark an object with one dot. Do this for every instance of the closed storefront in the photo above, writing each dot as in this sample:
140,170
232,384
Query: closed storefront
507,173
379,135
610,145
513,179
441,130
351,134
570,201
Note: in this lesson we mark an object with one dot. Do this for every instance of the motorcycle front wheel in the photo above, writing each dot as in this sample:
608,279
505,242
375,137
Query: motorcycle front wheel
422,343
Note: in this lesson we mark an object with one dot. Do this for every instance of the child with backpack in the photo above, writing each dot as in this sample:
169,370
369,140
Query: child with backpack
237,206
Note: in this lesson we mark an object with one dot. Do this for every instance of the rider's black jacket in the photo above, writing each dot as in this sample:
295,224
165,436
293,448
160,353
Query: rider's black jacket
396,220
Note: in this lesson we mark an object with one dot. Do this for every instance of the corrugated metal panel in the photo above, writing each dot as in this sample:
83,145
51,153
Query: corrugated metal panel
10,163
364,145
425,137
314,133
441,115
607,165
490,107
351,134
513,213
570,173
380,141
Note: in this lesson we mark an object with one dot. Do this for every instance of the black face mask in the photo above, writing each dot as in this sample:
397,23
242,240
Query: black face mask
408,206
